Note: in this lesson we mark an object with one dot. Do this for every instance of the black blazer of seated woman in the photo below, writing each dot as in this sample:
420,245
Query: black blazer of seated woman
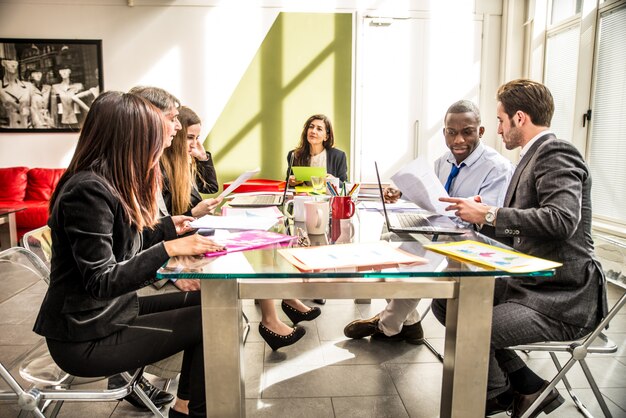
336,164
107,244
317,137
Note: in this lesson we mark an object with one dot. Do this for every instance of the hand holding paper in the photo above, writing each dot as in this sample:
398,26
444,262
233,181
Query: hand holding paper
419,184
240,180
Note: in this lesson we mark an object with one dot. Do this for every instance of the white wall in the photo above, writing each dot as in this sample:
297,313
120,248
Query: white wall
197,52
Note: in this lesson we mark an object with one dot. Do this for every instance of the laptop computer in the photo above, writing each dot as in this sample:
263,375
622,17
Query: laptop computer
262,200
422,223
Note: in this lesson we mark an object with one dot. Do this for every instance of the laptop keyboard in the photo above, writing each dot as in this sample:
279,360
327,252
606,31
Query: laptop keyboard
412,220
264,199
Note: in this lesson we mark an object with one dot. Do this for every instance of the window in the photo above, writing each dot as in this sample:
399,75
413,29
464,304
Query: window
607,150
564,9
561,65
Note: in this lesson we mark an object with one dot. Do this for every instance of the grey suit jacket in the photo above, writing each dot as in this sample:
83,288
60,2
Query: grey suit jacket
547,213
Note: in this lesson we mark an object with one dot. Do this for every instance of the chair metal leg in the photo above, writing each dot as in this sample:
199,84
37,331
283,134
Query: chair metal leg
166,384
246,328
559,376
427,343
55,410
596,390
579,404
146,400
433,350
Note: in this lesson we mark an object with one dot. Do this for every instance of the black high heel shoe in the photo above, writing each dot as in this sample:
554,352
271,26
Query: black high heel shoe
276,341
297,316
176,414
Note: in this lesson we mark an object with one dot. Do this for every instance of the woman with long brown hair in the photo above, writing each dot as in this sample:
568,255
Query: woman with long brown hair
188,170
107,242
317,149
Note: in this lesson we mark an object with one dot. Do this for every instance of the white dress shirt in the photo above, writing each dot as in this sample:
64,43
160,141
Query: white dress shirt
486,173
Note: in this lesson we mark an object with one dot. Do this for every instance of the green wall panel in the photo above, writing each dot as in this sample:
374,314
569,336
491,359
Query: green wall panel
303,67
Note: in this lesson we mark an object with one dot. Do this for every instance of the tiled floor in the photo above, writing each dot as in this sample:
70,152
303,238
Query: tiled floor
325,374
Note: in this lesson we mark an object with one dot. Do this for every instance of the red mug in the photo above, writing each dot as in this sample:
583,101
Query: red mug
342,207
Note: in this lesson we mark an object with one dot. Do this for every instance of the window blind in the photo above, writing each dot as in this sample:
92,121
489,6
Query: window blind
607,151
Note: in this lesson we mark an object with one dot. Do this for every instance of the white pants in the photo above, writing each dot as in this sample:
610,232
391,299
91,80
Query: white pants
397,313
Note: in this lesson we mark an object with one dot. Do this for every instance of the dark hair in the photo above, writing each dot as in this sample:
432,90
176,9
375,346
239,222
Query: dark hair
530,97
464,106
179,166
302,154
157,96
121,141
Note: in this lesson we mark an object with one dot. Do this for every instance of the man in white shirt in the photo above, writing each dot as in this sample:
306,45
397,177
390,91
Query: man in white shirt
469,169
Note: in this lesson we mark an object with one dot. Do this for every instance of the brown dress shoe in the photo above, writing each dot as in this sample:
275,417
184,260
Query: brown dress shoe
499,404
412,334
362,328
521,403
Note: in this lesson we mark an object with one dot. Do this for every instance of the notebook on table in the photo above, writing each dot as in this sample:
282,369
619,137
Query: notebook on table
422,223
261,200
303,173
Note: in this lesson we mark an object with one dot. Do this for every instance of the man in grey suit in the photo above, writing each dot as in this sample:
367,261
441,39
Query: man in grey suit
546,213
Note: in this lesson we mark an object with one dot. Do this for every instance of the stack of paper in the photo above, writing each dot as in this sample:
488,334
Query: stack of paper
360,256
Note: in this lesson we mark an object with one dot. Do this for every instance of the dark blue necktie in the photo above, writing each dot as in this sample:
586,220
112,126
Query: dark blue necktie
453,173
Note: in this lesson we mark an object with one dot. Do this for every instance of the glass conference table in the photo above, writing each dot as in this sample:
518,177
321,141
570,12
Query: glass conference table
265,274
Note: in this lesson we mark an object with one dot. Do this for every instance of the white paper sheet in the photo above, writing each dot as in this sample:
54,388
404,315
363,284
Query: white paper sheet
400,206
234,222
419,184
242,178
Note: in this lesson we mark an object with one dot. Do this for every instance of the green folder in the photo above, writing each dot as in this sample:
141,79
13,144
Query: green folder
305,173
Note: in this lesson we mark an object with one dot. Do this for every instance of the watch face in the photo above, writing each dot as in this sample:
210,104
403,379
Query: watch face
489,216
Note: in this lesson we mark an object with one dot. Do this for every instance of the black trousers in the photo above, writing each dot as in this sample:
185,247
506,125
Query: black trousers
167,324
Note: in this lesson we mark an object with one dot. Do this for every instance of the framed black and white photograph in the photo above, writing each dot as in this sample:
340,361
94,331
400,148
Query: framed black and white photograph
48,84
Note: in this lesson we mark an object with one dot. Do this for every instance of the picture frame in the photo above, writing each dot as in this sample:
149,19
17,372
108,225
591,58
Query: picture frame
48,85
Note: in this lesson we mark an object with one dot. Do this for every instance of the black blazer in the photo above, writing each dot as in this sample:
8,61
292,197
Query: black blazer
335,163
206,182
98,263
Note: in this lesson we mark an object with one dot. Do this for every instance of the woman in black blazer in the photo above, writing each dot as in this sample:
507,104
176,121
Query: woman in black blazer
316,149
107,242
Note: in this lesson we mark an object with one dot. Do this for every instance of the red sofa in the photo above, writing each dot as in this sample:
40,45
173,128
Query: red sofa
31,189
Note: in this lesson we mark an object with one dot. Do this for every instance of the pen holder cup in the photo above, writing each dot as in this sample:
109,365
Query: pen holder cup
341,207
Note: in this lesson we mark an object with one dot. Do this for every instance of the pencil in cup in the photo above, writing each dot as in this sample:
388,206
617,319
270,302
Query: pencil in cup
331,189
353,190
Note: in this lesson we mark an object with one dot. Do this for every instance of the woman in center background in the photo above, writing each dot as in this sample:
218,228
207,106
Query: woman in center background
317,149
188,170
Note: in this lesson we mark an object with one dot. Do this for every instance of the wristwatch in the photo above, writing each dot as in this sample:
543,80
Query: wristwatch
490,217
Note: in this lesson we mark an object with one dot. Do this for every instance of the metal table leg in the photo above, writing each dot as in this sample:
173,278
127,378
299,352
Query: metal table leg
221,327
466,353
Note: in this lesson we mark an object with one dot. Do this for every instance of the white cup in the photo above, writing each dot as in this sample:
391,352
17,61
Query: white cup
297,214
316,217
